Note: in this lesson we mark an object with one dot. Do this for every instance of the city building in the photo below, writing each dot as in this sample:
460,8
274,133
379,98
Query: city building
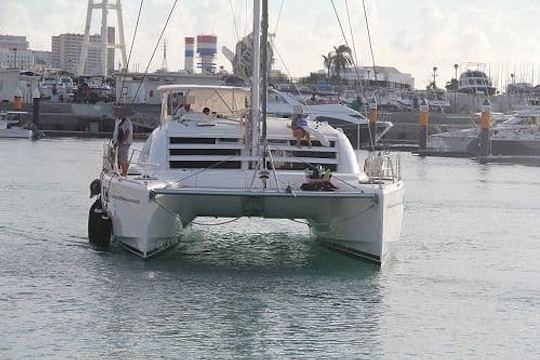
14,42
67,48
16,59
382,76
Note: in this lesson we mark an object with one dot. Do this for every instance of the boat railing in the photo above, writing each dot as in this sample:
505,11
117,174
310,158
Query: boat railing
383,166
145,168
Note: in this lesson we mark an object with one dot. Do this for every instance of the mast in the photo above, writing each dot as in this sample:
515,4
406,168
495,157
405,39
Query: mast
264,66
255,79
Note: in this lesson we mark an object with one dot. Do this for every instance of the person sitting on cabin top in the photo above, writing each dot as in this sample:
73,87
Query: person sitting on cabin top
299,125
206,111
183,109
122,138
185,106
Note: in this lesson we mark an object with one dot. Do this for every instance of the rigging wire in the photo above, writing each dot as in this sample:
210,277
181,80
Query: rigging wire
355,60
279,16
339,21
155,48
352,39
234,21
295,86
132,44
369,39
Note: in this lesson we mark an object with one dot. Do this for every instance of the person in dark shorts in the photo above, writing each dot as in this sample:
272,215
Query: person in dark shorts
122,138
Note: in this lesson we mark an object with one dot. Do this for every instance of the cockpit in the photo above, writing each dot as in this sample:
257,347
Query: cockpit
203,102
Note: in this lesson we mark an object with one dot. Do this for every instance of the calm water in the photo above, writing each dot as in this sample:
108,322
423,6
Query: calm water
463,282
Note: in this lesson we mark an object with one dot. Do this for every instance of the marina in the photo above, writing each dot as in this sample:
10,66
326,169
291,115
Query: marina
266,179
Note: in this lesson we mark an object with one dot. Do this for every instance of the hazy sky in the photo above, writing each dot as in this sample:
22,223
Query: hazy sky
413,36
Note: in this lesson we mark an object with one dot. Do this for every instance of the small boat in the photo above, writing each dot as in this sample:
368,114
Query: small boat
10,125
517,135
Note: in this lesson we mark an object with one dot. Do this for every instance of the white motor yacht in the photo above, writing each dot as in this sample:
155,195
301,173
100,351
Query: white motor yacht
10,125
475,82
518,135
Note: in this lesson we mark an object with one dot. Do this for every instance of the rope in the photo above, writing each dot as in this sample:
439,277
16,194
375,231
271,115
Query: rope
155,49
193,222
333,224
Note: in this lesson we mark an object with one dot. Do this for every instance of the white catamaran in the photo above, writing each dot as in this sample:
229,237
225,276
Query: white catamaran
235,163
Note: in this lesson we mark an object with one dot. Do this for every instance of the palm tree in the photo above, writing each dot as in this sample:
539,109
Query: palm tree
342,58
329,62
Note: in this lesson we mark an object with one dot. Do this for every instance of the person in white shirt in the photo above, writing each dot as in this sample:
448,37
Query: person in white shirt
184,109
122,138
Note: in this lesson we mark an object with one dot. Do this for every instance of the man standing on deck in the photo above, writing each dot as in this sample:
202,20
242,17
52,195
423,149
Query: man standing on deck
122,138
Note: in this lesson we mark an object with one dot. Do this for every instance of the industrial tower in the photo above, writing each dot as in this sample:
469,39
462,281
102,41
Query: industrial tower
105,6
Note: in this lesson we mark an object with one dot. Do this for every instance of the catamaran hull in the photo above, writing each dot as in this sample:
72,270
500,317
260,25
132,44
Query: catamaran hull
147,221
367,232
139,224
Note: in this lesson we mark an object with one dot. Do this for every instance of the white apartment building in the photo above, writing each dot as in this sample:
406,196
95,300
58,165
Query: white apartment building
391,76
13,42
67,48
16,59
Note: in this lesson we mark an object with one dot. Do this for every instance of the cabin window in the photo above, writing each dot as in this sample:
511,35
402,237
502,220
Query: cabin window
189,152
205,164
192,140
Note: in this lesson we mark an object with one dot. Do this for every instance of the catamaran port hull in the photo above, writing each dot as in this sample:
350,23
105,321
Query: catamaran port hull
149,219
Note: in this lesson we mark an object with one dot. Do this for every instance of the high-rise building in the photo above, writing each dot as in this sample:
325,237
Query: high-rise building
14,42
67,48
207,50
